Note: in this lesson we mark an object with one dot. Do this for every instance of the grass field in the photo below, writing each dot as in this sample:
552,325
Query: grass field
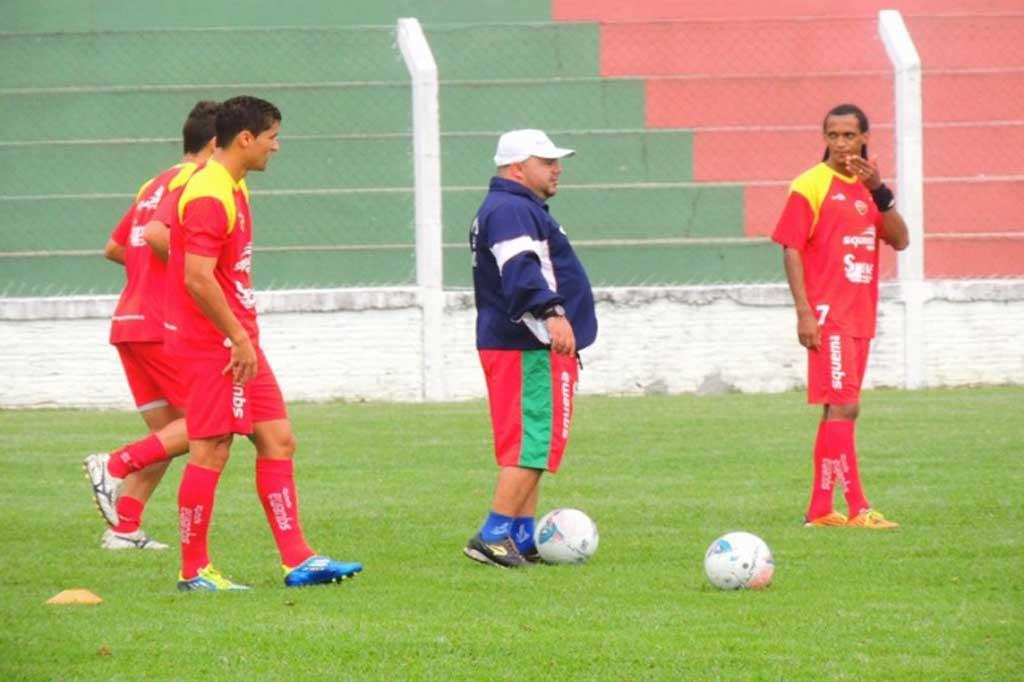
401,487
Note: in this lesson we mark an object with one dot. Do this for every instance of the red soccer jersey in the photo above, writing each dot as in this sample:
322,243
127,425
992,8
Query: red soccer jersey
139,315
833,221
212,219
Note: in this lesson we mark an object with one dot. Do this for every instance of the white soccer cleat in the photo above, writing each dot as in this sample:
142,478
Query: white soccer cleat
105,488
136,540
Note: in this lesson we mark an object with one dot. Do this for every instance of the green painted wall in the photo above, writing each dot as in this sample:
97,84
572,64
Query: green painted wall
124,15
95,112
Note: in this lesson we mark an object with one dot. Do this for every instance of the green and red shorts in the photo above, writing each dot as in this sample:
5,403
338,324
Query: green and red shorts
531,397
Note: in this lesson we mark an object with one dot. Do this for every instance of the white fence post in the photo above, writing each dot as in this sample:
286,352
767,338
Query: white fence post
426,127
909,187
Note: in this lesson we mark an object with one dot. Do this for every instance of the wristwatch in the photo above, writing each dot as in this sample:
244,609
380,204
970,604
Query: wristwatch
552,311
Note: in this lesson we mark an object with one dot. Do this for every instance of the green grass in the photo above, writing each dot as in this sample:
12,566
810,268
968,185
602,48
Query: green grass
401,487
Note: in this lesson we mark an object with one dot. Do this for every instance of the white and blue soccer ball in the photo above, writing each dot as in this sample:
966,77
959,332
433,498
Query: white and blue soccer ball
566,536
739,561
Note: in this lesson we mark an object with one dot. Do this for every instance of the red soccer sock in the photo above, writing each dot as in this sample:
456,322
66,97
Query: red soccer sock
824,473
129,514
275,484
845,451
135,456
195,508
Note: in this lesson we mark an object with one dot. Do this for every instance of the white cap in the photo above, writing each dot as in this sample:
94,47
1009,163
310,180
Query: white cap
519,145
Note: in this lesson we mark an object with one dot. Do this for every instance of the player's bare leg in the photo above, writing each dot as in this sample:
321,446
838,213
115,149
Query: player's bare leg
515,490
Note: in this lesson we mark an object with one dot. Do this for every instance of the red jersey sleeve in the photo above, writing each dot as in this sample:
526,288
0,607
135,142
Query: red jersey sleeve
205,226
794,227
124,227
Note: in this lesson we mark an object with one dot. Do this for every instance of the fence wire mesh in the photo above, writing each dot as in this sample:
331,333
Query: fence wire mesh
973,131
89,117
689,132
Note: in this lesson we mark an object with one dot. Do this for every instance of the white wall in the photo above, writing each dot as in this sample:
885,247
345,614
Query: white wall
367,344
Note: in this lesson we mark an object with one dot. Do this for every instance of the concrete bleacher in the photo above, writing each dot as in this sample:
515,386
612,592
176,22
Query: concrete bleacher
747,81
676,179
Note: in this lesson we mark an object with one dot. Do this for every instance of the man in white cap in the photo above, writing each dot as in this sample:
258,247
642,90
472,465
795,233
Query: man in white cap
535,310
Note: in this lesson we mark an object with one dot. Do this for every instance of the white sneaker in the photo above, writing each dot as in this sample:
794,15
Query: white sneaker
105,488
136,540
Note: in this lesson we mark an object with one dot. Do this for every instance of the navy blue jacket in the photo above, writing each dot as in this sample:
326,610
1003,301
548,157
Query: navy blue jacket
523,263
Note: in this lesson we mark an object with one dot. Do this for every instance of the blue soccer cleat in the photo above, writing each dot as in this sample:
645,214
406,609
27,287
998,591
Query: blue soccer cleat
209,579
319,570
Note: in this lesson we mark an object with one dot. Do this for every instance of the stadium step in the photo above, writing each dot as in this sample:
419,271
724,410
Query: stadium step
369,218
665,10
741,47
294,55
497,52
128,15
153,58
297,219
804,46
609,265
332,109
973,257
771,100
382,162
950,151
754,101
616,156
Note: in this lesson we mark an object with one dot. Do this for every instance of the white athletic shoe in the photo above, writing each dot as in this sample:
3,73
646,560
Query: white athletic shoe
105,488
136,540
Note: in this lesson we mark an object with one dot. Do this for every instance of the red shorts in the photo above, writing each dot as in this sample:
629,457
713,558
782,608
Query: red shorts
835,371
217,406
154,381
531,397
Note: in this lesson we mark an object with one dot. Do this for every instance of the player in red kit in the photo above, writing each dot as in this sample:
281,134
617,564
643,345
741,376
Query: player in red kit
212,328
831,230
123,480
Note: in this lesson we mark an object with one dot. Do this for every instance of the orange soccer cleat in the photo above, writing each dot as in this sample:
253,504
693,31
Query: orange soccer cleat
869,518
831,519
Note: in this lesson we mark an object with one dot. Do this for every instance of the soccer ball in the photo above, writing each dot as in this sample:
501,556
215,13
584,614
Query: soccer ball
738,561
566,536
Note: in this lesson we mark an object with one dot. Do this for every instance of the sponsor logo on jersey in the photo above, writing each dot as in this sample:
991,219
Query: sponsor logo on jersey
245,295
856,271
244,263
154,200
835,356
136,238
237,401
838,196
865,239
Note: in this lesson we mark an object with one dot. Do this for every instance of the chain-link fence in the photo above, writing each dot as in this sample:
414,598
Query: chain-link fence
89,117
973,132
689,133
